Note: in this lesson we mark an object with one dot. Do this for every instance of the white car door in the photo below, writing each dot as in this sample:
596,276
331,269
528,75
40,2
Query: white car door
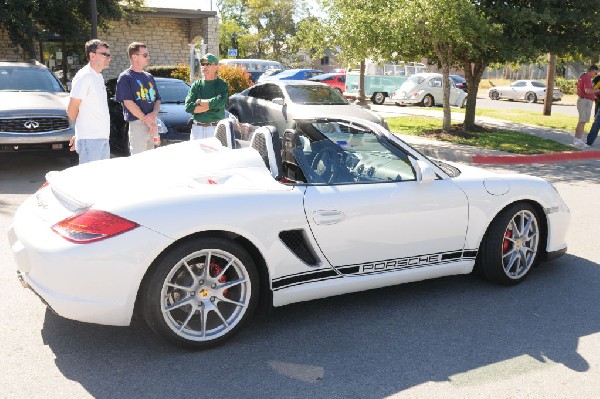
435,89
371,207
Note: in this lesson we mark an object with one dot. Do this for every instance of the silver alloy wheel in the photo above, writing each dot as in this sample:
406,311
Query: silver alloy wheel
520,244
494,95
531,98
205,295
378,98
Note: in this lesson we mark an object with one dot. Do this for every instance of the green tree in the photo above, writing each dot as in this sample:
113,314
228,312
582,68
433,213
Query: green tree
28,21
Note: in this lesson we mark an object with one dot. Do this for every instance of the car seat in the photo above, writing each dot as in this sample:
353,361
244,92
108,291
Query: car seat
267,142
293,150
225,134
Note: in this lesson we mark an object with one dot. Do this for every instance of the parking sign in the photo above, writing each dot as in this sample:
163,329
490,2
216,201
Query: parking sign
232,52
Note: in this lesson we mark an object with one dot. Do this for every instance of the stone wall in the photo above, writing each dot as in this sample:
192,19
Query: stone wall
167,40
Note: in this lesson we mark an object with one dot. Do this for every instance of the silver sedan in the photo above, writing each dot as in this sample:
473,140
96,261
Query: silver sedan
280,103
527,90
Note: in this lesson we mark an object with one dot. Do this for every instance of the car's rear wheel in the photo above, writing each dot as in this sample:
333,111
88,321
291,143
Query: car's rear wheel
200,293
427,101
494,95
510,247
530,97
378,98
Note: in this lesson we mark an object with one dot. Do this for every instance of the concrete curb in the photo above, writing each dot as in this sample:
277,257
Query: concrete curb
537,158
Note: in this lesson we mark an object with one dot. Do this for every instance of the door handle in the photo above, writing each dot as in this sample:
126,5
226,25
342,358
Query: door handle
328,217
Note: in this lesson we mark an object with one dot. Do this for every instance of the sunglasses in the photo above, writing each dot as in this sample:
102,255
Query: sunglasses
145,55
206,63
105,55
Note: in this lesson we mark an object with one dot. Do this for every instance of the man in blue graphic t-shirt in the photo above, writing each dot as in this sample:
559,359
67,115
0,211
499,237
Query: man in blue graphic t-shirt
137,90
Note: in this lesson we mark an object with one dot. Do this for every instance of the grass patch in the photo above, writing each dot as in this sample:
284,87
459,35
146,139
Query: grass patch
483,137
554,121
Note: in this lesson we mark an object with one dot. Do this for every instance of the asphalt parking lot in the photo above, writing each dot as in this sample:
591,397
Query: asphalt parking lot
456,337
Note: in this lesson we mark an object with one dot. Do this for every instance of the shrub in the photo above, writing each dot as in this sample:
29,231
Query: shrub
237,78
567,86
161,71
181,72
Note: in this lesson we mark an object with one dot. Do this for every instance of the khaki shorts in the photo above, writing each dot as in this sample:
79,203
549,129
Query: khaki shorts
140,138
584,107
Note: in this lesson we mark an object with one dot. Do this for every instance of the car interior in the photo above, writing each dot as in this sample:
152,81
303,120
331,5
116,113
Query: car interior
321,152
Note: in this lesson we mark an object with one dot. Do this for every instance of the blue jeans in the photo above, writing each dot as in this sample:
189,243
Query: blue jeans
92,150
591,137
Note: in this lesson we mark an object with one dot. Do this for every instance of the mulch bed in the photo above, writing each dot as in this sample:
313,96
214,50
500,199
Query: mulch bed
457,130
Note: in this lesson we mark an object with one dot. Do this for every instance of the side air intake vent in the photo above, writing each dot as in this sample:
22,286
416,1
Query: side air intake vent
297,243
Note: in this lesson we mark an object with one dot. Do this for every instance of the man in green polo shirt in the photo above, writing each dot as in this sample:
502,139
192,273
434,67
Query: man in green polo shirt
207,99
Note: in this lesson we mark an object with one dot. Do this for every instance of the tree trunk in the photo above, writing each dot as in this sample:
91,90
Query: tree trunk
361,99
550,75
447,120
473,74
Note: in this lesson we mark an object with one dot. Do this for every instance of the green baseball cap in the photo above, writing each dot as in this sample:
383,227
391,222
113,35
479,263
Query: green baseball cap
210,58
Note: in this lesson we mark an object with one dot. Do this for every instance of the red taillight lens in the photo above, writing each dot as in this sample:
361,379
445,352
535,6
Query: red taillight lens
91,226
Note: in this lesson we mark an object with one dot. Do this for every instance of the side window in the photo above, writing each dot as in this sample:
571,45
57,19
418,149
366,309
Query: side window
435,82
519,84
255,92
272,91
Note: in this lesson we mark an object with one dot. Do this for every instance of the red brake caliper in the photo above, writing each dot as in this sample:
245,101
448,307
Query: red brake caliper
214,270
506,242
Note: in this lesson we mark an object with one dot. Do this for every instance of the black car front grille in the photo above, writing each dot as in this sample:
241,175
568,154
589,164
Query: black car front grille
42,124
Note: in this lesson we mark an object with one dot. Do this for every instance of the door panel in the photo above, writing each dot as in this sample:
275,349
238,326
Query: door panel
359,223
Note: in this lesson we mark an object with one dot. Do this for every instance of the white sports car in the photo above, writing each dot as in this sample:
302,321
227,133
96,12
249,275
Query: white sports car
529,90
194,236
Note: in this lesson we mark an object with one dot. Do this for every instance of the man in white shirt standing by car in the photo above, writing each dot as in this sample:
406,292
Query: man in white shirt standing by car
88,106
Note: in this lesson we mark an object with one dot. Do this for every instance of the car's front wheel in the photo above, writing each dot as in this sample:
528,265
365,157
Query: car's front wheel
200,293
427,101
494,95
510,247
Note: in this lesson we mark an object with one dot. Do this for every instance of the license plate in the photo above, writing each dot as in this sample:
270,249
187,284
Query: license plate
57,146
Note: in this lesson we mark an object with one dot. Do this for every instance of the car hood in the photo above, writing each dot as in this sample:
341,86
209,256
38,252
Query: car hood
32,103
191,167
299,111
173,114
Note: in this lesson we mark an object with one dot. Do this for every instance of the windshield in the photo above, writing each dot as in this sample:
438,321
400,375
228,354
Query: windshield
315,95
26,78
172,91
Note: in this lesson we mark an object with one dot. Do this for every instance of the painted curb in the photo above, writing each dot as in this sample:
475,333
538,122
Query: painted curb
538,158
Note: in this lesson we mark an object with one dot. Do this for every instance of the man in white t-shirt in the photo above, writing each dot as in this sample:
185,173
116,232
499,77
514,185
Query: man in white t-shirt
88,106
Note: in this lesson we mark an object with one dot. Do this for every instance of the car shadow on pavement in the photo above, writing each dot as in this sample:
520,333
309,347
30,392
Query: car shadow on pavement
369,345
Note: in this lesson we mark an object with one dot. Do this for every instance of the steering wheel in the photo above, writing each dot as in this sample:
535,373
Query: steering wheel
327,164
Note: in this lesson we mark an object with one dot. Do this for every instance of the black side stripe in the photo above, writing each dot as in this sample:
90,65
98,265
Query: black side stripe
384,266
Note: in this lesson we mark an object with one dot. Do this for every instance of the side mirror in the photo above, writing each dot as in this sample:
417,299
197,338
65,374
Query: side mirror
425,173
278,101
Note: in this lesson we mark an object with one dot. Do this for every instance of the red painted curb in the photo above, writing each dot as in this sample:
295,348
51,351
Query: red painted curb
538,158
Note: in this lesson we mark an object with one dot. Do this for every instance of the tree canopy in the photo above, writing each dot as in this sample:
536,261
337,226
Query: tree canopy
29,21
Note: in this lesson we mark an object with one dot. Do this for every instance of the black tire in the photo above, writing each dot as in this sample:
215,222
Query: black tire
427,101
494,95
506,254
531,97
378,98
192,306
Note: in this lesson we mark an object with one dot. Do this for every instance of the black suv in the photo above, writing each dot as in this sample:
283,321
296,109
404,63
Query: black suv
33,106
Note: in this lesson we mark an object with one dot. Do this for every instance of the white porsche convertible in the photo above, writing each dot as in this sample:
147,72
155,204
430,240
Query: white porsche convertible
194,236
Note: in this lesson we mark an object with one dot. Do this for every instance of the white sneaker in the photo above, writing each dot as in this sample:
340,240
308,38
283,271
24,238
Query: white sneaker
579,143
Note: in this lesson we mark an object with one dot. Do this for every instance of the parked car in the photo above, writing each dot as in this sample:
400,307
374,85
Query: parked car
255,67
291,74
279,103
173,120
33,106
529,90
335,80
334,206
460,82
426,90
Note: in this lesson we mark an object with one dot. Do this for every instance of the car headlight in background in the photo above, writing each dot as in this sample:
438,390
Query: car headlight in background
162,128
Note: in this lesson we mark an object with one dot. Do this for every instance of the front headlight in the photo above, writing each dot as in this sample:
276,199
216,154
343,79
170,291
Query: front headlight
162,128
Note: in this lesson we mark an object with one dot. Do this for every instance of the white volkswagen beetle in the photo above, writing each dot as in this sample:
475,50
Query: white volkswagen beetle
425,89
193,236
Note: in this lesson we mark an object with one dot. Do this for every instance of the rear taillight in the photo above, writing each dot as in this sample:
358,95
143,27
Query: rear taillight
91,226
